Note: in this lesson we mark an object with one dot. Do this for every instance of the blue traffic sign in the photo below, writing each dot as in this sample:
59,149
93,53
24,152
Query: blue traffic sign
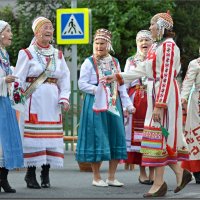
73,26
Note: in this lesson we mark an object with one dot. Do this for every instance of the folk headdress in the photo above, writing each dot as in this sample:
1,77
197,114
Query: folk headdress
38,22
164,21
143,34
3,24
104,34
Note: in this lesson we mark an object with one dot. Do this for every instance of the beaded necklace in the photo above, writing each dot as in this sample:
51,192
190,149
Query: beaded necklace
47,53
104,66
4,61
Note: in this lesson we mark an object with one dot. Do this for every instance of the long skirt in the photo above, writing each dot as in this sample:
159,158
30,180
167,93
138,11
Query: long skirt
192,134
101,136
11,153
191,165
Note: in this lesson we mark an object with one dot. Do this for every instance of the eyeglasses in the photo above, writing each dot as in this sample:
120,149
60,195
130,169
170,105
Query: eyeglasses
46,27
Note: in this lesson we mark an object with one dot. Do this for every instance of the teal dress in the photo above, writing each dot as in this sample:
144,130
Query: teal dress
101,136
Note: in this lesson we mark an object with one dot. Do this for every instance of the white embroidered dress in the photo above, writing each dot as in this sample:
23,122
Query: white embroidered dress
192,126
161,67
41,124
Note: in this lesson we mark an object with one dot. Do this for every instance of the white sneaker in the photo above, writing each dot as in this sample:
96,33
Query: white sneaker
114,183
99,183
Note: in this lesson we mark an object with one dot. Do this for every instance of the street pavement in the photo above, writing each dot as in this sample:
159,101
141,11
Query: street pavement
70,183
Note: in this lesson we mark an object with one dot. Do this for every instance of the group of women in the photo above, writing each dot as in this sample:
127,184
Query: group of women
40,84
153,127
135,116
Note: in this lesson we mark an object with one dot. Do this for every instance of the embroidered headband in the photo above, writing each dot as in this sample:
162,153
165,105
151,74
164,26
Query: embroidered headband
103,34
3,24
38,22
143,34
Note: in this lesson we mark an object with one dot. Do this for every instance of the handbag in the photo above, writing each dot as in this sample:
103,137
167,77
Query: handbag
152,141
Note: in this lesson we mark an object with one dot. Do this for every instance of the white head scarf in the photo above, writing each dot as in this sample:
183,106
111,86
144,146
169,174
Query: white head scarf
143,34
3,24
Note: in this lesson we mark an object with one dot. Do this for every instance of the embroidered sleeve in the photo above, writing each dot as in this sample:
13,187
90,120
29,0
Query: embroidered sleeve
133,74
189,79
166,75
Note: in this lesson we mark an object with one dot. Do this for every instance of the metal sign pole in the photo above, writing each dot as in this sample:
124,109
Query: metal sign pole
74,54
74,77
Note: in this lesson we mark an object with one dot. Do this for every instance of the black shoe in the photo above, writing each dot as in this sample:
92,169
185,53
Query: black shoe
32,183
197,177
30,178
146,182
6,187
4,181
45,182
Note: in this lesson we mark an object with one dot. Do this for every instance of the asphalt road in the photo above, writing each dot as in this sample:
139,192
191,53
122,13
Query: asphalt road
70,183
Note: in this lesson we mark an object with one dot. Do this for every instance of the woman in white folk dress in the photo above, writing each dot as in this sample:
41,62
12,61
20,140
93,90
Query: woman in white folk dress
46,80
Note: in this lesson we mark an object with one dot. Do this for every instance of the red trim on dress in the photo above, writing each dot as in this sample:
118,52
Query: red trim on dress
170,71
191,165
60,53
119,79
28,53
33,119
43,153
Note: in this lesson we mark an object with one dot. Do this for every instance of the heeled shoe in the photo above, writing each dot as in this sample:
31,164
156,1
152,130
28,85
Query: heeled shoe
197,177
6,187
4,181
187,177
160,193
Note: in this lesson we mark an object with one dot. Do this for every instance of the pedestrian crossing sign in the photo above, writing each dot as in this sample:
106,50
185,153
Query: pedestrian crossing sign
72,26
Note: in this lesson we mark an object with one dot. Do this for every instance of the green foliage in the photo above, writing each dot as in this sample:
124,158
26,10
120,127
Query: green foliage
124,18
7,14
187,26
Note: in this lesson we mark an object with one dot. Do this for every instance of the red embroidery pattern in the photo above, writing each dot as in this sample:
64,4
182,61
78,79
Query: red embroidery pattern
166,71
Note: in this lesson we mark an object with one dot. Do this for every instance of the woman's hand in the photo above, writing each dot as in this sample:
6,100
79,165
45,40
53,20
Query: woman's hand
157,114
10,78
183,101
65,106
108,79
131,109
184,104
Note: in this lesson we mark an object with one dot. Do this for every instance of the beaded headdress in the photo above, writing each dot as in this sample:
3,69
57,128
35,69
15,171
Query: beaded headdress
38,22
144,34
164,21
104,34
3,24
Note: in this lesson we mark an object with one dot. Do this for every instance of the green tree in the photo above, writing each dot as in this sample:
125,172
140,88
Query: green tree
187,26
7,15
124,18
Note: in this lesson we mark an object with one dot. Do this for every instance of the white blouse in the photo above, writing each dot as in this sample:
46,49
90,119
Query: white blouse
88,81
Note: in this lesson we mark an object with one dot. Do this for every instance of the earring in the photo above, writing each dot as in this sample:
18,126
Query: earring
2,36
